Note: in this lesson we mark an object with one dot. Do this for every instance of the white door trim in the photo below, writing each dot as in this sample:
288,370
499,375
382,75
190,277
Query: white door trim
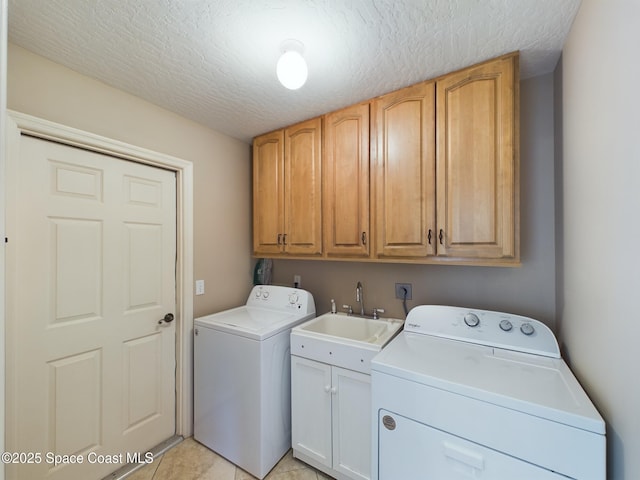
19,123
4,29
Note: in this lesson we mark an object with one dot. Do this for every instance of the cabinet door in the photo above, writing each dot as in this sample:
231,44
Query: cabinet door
311,409
477,161
351,423
346,182
405,172
268,193
303,207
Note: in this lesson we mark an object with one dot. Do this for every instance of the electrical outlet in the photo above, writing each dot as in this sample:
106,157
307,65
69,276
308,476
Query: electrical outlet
199,287
400,291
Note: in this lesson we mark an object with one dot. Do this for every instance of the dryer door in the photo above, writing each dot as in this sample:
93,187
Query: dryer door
411,450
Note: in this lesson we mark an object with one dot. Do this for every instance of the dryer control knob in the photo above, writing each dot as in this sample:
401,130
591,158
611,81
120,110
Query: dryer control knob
527,329
471,319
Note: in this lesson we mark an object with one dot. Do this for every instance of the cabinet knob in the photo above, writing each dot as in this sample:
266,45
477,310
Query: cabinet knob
429,236
364,238
279,239
441,236
327,388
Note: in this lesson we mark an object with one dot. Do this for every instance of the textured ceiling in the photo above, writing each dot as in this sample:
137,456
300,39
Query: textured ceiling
213,61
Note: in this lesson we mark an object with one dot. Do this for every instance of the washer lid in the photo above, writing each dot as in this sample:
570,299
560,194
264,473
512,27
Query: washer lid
252,322
533,384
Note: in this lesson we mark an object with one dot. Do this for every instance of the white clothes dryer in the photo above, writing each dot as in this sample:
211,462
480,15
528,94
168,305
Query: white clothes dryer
465,393
242,377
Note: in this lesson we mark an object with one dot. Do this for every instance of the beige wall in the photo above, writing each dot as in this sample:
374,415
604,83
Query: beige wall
601,184
528,290
222,164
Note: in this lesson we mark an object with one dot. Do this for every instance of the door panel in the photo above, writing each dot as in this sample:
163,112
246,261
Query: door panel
74,402
477,161
352,423
77,252
346,182
408,449
303,172
311,409
142,379
405,172
268,193
143,272
94,250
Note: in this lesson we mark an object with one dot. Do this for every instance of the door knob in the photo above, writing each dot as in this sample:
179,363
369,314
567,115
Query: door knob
168,318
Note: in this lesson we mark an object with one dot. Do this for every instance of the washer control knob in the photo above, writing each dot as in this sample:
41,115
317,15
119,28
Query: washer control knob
471,319
293,298
265,294
506,325
258,292
527,329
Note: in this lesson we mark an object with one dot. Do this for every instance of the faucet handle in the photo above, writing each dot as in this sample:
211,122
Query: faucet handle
376,311
348,309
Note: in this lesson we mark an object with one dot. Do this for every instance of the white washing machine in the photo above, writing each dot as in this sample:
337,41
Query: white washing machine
464,393
242,377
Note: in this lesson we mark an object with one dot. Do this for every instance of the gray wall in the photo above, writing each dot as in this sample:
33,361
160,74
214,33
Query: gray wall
601,219
527,290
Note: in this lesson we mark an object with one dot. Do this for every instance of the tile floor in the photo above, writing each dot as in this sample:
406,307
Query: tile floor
189,460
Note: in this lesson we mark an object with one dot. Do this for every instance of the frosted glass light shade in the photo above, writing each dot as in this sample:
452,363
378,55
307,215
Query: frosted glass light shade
292,70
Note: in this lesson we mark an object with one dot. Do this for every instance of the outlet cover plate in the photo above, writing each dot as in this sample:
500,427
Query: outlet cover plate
400,290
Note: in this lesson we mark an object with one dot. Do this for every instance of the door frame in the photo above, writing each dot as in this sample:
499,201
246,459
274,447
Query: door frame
21,124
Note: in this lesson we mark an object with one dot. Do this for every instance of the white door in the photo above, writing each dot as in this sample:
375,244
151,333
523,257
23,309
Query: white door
91,371
311,409
351,423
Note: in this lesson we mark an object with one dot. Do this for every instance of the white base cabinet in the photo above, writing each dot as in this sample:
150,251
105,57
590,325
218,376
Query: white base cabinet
331,418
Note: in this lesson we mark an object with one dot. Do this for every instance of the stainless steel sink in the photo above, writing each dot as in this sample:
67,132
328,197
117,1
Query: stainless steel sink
344,340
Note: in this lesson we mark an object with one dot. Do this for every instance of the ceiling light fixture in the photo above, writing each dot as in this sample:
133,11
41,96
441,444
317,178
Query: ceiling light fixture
292,68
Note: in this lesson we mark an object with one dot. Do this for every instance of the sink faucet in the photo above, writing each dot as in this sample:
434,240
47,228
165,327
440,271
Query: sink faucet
360,297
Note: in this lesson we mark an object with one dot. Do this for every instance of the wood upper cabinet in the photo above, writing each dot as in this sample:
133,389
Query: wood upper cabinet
404,172
435,180
268,193
477,161
287,191
346,182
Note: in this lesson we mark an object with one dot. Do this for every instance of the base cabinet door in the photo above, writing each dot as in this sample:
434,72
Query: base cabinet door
351,411
331,418
311,409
